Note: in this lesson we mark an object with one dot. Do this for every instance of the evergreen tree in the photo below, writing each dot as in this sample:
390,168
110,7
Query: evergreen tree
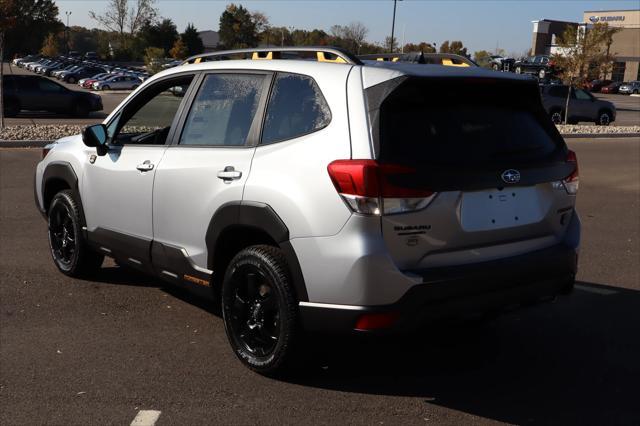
237,28
192,40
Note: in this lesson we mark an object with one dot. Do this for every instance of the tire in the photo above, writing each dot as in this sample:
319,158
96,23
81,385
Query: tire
604,118
11,108
106,88
518,70
259,309
557,117
69,250
71,80
542,74
635,92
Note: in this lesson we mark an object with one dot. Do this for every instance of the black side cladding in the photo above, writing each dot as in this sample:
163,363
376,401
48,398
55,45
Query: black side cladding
261,217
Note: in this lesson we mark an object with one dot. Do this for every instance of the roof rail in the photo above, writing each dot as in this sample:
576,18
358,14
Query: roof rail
447,59
318,53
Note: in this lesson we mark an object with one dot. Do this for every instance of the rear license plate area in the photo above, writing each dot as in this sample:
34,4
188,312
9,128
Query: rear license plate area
497,209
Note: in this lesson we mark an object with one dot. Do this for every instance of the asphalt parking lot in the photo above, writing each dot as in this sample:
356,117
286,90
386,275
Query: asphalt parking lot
88,352
628,107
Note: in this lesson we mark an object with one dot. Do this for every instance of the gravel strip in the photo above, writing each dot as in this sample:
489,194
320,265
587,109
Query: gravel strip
53,132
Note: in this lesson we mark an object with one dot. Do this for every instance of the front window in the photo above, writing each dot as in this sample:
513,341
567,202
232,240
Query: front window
147,119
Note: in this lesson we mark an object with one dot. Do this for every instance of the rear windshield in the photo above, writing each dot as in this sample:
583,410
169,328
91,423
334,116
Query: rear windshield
464,123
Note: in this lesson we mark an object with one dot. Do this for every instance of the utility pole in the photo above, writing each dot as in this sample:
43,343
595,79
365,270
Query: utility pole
67,32
393,24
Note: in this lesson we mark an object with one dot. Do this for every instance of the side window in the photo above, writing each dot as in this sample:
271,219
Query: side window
582,95
147,119
296,108
47,85
223,110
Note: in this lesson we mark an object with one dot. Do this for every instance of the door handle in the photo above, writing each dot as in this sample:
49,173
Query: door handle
229,173
145,167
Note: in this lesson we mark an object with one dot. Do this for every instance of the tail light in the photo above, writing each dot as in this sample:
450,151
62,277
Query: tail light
572,181
375,321
364,185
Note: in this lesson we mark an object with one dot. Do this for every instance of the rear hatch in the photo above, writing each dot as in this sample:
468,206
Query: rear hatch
470,170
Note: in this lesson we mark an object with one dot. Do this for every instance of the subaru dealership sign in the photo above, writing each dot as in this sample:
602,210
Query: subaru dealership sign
595,19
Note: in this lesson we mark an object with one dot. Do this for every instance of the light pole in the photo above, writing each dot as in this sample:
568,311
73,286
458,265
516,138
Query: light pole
393,24
68,14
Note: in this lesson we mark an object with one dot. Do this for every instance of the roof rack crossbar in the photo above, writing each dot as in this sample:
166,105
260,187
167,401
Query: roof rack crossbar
341,55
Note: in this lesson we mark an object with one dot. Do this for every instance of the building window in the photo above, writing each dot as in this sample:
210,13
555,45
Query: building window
618,71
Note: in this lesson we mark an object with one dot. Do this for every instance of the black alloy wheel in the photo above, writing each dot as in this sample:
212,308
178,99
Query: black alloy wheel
62,235
259,309
69,250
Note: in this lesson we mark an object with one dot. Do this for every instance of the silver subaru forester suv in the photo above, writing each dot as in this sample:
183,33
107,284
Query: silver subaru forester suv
320,193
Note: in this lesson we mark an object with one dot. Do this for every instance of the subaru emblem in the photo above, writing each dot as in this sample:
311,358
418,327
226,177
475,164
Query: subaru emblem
511,176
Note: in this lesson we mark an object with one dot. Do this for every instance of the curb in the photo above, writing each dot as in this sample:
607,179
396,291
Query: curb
24,144
599,135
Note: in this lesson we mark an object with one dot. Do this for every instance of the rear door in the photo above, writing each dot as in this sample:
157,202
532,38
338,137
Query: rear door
470,168
207,164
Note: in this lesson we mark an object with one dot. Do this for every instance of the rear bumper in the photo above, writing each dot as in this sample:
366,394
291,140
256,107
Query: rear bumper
458,292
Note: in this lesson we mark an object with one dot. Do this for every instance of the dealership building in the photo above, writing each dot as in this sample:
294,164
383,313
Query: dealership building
625,46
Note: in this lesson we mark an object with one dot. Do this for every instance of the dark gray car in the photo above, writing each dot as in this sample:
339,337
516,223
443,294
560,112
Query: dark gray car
583,106
31,93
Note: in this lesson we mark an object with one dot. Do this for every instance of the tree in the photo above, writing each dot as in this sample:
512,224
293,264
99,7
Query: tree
159,34
50,46
388,46
423,47
33,20
192,40
179,50
585,52
455,47
153,57
237,28
119,18
482,58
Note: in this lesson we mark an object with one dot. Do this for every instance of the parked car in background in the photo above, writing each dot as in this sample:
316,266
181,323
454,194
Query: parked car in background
70,67
73,77
29,58
91,56
540,65
595,86
500,63
629,88
118,82
583,106
87,83
611,88
34,93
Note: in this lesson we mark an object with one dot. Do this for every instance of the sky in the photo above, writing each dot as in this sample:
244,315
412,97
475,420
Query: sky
481,25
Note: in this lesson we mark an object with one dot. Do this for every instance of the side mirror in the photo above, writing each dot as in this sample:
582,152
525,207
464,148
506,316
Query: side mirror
96,137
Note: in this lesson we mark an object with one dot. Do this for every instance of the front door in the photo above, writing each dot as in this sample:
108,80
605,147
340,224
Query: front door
117,187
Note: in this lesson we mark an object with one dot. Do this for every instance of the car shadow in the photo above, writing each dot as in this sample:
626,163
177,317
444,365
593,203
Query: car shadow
574,361
111,273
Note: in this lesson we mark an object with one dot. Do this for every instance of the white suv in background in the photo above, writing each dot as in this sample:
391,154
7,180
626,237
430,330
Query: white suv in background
322,195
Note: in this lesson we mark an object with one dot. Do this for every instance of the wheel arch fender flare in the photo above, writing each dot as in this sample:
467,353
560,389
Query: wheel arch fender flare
261,217
61,171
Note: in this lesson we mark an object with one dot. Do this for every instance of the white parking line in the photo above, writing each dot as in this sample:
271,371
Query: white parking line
602,291
146,418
